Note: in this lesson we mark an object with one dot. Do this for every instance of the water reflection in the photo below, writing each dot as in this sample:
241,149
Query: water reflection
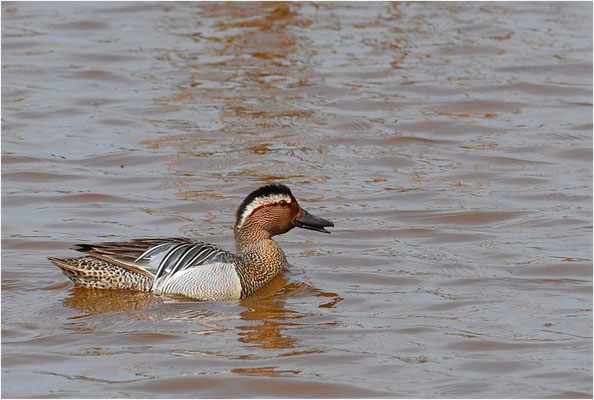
100,301
268,308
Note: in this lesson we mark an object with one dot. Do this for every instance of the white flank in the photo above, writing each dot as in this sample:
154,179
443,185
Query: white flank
216,281
262,201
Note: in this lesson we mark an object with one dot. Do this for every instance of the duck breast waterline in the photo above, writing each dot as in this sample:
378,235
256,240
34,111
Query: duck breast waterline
194,268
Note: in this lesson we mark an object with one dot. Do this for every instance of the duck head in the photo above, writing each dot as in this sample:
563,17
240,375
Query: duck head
274,210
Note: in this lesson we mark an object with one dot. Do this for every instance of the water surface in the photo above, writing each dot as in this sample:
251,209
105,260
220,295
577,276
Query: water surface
451,144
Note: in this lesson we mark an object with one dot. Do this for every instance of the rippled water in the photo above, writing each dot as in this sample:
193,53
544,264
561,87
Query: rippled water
451,144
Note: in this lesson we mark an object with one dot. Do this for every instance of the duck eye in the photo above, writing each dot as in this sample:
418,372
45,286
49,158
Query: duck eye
282,203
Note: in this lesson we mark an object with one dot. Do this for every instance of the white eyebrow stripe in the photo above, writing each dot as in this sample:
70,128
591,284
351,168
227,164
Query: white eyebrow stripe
259,202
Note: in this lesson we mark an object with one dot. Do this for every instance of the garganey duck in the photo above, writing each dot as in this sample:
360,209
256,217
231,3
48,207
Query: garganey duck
198,269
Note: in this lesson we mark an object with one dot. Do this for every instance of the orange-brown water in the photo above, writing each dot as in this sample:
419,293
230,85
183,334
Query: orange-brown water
451,144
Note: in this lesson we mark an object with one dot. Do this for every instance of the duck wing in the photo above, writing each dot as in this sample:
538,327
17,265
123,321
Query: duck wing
157,258
172,260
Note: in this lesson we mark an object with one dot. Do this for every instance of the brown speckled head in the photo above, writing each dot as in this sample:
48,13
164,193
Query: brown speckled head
274,209
271,208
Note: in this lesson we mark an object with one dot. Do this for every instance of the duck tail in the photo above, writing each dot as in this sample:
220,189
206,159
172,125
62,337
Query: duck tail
92,273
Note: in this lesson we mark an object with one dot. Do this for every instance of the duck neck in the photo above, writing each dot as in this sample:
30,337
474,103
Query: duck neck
260,258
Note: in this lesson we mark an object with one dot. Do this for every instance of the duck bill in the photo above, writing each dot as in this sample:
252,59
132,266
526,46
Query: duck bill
307,221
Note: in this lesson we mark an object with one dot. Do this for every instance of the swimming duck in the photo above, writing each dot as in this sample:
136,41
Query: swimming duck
196,269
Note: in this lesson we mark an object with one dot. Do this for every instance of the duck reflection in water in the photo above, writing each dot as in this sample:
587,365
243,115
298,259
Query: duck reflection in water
268,306
265,312
96,301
